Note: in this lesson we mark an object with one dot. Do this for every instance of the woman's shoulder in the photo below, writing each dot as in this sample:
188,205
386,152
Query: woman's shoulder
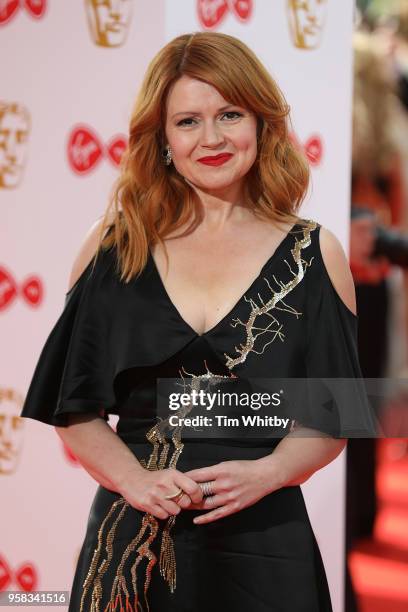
333,263
86,251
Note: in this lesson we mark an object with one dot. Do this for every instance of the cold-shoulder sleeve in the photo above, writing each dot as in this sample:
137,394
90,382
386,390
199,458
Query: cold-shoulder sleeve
73,372
337,401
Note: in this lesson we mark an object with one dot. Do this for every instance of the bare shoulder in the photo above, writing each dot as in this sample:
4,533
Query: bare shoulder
86,252
338,269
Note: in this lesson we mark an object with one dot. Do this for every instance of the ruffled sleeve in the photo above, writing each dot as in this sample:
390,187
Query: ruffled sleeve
73,373
337,402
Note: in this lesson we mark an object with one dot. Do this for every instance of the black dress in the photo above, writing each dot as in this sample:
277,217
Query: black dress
106,351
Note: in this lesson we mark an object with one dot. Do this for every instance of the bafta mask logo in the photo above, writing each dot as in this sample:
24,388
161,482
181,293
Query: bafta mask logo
85,149
9,8
11,430
31,290
14,132
24,577
109,21
306,22
212,12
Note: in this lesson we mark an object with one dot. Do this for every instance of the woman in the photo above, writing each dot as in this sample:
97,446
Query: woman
251,290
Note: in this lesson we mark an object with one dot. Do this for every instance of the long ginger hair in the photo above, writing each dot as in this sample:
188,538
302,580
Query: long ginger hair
150,200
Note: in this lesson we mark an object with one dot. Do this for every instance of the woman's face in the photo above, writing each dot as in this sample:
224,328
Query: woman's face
200,123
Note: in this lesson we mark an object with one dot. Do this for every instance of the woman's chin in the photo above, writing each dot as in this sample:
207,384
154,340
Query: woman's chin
211,185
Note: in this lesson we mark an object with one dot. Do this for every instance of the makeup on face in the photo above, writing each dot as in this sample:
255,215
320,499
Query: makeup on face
215,160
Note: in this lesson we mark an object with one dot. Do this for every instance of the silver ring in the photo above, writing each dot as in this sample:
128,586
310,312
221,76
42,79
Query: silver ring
206,488
211,500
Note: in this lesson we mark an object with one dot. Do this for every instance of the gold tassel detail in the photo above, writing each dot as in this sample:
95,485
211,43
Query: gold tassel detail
167,560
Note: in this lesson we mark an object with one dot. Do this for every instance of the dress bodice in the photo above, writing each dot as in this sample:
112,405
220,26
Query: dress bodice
114,339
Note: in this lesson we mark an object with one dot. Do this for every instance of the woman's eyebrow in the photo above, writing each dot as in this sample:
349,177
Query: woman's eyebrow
198,112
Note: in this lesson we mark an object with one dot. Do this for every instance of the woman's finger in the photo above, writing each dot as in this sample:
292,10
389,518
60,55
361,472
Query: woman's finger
158,512
184,502
210,502
169,506
216,514
209,472
189,486
214,501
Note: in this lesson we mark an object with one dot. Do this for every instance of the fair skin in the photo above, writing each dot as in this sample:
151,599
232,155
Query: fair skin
229,229
204,292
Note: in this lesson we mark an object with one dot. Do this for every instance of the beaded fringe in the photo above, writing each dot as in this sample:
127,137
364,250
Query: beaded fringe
120,599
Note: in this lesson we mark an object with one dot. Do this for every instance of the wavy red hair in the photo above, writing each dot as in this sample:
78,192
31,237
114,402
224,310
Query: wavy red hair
149,199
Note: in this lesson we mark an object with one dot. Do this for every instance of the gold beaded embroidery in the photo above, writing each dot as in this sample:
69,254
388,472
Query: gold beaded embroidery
120,598
167,561
274,327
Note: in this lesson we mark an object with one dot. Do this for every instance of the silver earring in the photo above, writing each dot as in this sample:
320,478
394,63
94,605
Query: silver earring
167,156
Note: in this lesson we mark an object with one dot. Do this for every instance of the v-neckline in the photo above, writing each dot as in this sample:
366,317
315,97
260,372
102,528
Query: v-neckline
232,310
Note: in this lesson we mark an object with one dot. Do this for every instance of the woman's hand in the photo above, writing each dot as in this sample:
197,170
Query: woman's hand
146,490
235,484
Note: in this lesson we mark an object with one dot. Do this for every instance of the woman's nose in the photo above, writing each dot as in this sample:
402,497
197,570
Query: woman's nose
211,134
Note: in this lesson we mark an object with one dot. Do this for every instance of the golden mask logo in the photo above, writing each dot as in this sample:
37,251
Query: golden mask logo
306,22
9,8
109,21
11,430
14,131
85,149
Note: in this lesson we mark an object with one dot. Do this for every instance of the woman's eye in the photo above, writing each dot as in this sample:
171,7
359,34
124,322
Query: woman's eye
183,121
234,113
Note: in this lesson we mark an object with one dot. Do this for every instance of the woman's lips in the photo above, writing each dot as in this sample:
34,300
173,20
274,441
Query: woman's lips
216,160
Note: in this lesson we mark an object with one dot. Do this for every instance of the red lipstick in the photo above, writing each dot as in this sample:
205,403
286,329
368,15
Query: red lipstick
216,160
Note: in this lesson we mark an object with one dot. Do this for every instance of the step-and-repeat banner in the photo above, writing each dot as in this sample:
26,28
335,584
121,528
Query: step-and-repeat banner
69,76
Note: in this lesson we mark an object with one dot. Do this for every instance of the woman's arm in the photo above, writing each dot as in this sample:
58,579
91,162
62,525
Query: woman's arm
88,436
299,455
99,450
111,463
106,457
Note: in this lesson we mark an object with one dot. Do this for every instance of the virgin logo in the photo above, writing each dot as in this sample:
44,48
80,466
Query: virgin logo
85,149
31,290
312,148
212,12
24,576
8,8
